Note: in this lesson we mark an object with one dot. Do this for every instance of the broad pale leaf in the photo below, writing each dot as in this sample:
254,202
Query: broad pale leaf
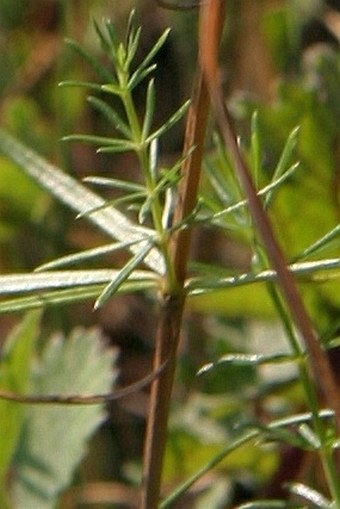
37,281
54,438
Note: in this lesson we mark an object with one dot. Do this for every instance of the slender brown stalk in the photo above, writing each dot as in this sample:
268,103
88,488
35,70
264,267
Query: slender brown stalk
79,399
211,14
172,301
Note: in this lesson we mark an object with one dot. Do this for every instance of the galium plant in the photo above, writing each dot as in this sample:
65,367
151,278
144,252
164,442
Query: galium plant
153,221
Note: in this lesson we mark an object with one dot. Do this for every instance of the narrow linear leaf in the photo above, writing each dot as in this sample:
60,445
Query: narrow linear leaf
307,270
320,244
81,84
269,190
266,190
82,256
104,43
154,50
137,77
95,140
32,282
113,36
170,122
306,432
53,298
219,183
270,504
284,160
130,198
149,109
115,183
242,439
132,45
122,275
255,148
242,359
111,89
124,146
94,62
110,115
313,496
286,153
74,295
78,197
283,435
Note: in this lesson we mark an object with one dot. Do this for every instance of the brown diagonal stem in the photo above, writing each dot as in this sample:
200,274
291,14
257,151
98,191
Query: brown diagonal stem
211,13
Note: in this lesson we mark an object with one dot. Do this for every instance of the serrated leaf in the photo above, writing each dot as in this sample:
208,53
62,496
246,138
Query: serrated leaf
55,438
78,197
15,368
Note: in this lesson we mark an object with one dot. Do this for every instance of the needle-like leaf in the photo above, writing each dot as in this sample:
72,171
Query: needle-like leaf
122,275
94,62
110,115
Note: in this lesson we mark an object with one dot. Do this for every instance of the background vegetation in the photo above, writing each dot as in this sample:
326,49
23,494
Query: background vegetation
281,60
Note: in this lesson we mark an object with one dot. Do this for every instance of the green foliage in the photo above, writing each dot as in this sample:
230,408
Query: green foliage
53,438
15,376
219,425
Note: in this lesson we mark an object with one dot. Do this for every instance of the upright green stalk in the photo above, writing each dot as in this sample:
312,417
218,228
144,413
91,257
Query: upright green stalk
143,154
325,451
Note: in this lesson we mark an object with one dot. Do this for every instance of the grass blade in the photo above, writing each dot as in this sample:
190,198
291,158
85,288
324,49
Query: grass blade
78,197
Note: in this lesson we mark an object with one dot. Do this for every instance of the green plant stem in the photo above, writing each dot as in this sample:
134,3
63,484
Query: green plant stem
232,446
211,13
325,451
144,160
